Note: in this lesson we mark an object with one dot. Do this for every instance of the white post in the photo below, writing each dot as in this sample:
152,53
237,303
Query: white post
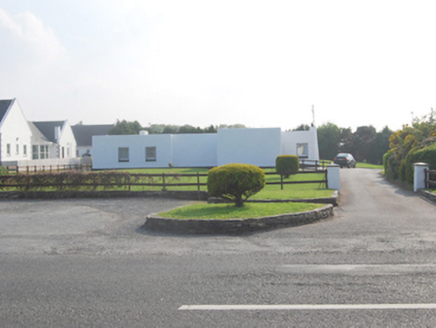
419,176
333,178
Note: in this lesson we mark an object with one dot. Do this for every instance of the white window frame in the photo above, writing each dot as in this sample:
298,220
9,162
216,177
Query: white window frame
8,149
150,154
25,150
123,154
35,152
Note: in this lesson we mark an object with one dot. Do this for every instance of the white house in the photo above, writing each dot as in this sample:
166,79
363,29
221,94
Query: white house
33,143
257,146
15,133
55,140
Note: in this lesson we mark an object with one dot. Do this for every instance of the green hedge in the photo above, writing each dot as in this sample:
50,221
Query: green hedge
235,182
419,155
287,165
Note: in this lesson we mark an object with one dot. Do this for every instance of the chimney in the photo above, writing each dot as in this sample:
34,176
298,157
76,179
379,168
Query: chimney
57,133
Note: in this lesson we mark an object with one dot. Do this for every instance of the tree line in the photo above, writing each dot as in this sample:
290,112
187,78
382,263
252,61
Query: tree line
125,127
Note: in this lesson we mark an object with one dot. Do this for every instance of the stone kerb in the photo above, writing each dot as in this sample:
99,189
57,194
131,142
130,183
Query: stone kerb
155,222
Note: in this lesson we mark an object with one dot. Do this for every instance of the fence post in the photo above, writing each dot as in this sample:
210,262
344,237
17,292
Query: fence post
281,181
419,176
163,182
198,181
333,177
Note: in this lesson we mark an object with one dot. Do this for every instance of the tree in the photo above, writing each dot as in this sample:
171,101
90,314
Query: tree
379,146
235,182
363,140
124,127
329,137
302,127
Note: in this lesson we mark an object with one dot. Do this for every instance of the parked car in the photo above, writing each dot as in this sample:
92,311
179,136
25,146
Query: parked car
345,159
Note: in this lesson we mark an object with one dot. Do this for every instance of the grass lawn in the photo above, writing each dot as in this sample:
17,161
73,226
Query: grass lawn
294,191
369,166
229,211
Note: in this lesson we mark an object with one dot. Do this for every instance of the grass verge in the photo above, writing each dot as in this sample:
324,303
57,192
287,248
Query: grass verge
369,166
229,211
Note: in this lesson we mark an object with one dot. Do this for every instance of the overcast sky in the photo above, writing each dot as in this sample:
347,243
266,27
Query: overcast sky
258,63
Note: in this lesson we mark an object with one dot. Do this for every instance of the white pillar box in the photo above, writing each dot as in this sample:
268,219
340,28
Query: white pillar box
419,176
333,177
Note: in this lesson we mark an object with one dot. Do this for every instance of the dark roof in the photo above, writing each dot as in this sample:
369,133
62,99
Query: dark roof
84,133
37,136
4,105
48,128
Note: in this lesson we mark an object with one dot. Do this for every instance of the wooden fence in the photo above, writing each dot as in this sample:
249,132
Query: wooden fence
430,179
104,180
33,169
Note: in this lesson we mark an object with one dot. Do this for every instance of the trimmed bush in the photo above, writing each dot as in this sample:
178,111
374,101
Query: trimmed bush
235,182
287,165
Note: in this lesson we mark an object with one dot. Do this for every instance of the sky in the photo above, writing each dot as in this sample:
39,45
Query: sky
257,63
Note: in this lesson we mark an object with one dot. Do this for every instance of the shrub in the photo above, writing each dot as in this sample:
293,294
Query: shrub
287,165
235,182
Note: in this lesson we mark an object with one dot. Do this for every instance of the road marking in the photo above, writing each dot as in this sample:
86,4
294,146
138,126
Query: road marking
275,307
359,268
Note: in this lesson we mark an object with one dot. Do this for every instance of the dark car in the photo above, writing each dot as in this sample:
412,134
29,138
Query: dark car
345,159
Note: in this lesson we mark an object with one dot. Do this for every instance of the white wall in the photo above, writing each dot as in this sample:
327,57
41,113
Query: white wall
292,138
68,141
194,150
249,146
105,151
15,130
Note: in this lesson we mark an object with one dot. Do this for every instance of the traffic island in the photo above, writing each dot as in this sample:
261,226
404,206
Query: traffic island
157,223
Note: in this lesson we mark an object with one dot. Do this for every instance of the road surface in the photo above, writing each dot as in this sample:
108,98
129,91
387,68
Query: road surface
74,263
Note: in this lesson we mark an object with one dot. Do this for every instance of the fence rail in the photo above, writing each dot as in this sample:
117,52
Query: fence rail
35,181
430,179
34,169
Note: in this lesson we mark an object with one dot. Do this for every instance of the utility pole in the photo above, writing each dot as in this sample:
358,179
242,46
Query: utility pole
313,115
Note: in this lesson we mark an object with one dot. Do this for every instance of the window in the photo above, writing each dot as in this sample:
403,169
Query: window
43,152
35,153
17,149
8,149
303,150
123,154
150,154
25,150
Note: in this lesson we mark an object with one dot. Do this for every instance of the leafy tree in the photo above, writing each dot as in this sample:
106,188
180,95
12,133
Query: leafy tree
363,140
302,127
235,182
124,127
329,137
379,146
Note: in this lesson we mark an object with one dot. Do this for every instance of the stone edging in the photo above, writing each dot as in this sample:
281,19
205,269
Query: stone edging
236,226
428,194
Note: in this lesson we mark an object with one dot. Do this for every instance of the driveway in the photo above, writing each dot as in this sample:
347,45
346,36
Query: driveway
89,263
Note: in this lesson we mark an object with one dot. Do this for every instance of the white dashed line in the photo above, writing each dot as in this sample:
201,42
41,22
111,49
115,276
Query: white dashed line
290,307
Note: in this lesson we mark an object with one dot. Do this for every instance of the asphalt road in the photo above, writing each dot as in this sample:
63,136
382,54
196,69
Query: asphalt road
90,263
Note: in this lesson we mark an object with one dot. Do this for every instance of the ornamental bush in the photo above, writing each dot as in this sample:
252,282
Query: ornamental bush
235,182
287,165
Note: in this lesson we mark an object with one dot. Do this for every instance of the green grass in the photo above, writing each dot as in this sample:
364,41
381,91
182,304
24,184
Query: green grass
294,191
369,166
229,211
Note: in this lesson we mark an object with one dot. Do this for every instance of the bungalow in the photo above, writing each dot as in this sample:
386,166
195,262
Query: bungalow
258,146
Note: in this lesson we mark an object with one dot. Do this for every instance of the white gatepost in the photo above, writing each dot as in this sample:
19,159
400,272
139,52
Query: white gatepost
333,178
419,176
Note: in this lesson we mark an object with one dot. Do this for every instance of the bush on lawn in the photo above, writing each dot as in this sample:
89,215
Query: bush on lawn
235,182
287,165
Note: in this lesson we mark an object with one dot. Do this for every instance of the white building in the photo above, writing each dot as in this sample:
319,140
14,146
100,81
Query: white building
257,146
33,143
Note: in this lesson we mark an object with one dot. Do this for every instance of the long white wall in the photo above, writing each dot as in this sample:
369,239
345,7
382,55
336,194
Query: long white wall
249,146
105,151
194,150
